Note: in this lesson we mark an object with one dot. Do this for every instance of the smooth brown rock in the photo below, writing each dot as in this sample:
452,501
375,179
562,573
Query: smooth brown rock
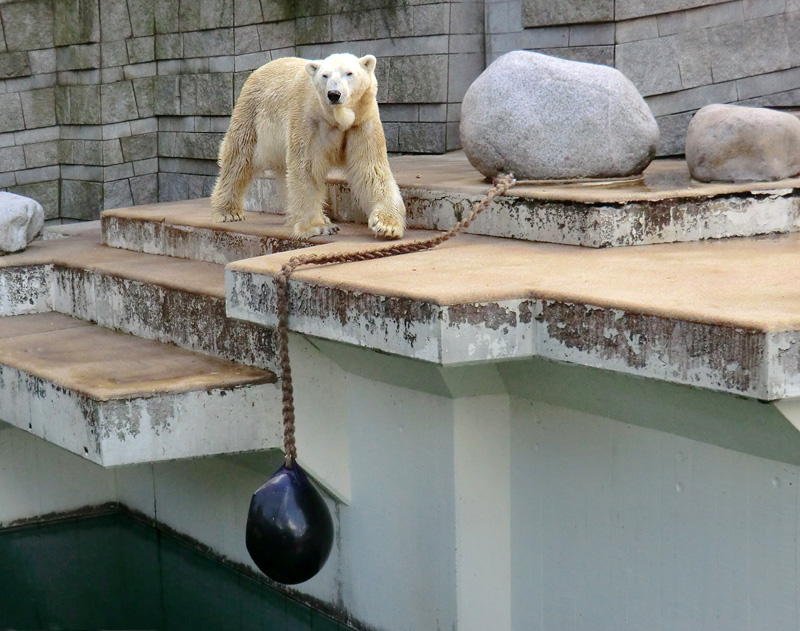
730,143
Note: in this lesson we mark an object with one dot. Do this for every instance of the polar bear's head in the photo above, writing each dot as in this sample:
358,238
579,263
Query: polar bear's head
341,80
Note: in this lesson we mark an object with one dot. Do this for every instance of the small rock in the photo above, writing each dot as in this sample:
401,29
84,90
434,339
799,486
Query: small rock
731,143
545,118
21,221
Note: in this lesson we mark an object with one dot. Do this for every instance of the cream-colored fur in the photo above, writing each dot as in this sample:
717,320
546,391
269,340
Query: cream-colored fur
284,120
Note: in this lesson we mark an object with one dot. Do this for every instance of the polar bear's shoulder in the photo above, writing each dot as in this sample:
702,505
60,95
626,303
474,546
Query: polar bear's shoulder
283,69
283,80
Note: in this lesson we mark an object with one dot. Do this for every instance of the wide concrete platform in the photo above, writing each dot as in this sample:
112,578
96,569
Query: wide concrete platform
663,206
116,399
723,315
717,314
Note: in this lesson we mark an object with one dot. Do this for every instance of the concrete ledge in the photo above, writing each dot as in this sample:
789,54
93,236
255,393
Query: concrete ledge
185,230
665,206
116,399
721,316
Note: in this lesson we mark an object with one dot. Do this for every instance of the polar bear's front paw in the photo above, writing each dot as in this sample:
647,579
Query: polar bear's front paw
386,224
306,231
221,216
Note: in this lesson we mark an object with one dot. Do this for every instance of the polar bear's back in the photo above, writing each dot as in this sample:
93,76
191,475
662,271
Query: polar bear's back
273,95
277,87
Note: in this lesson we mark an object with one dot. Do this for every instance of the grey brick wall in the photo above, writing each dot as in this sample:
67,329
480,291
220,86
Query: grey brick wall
106,103
681,54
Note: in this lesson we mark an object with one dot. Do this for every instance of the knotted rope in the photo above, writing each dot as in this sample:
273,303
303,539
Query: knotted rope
500,186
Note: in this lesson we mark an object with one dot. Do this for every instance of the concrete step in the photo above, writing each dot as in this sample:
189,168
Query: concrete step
665,205
184,229
154,297
722,315
116,399
161,299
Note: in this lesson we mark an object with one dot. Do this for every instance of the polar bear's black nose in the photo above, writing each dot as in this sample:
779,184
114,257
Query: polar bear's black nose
334,96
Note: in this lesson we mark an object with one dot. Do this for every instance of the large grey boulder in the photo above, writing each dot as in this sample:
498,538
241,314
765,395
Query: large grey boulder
546,118
731,143
21,221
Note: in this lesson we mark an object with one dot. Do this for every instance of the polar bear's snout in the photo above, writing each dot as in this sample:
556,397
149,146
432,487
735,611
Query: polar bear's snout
336,88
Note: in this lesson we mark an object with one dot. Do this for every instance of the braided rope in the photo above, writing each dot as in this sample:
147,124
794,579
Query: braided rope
500,186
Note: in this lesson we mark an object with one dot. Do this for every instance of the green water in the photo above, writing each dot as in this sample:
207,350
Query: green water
113,572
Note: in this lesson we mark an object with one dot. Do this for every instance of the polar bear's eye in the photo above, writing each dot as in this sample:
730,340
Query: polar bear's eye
349,74
325,76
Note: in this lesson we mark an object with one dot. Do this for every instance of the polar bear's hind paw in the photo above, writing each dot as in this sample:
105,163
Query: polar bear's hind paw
305,231
220,216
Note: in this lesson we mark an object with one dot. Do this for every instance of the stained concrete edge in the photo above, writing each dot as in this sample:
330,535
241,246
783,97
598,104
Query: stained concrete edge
752,363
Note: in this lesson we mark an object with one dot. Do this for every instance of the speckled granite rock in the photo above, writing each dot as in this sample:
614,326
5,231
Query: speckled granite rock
21,221
547,118
731,143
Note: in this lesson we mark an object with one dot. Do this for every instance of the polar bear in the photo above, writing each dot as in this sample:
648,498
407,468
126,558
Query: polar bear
300,118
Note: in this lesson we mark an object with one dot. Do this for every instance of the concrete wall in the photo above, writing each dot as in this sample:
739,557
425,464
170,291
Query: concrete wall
680,54
523,495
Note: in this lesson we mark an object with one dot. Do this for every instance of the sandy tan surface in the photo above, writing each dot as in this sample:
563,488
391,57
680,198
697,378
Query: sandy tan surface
104,364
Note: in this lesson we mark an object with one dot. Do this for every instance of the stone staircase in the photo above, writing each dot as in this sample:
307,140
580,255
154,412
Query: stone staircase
148,337
126,357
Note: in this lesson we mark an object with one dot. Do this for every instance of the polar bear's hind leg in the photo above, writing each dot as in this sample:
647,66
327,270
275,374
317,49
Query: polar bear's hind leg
235,175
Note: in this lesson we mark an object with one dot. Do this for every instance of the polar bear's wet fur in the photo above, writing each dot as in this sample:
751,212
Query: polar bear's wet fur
300,118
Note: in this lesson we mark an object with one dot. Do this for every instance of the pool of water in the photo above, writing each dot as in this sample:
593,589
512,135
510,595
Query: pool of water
114,572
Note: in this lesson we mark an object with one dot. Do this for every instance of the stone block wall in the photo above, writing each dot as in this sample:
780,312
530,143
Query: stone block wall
108,103
429,53
77,125
680,54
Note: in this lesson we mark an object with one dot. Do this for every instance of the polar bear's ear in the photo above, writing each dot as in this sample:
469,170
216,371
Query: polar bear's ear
312,67
368,63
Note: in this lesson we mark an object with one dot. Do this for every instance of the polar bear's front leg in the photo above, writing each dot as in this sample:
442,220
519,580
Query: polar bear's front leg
372,182
305,193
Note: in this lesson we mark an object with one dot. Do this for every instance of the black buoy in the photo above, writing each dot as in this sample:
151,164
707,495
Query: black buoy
289,532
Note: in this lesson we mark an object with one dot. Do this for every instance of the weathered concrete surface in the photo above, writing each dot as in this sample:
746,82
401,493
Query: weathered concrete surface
70,229
664,206
692,300
26,289
116,399
185,230
718,315
159,298
583,216
177,301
